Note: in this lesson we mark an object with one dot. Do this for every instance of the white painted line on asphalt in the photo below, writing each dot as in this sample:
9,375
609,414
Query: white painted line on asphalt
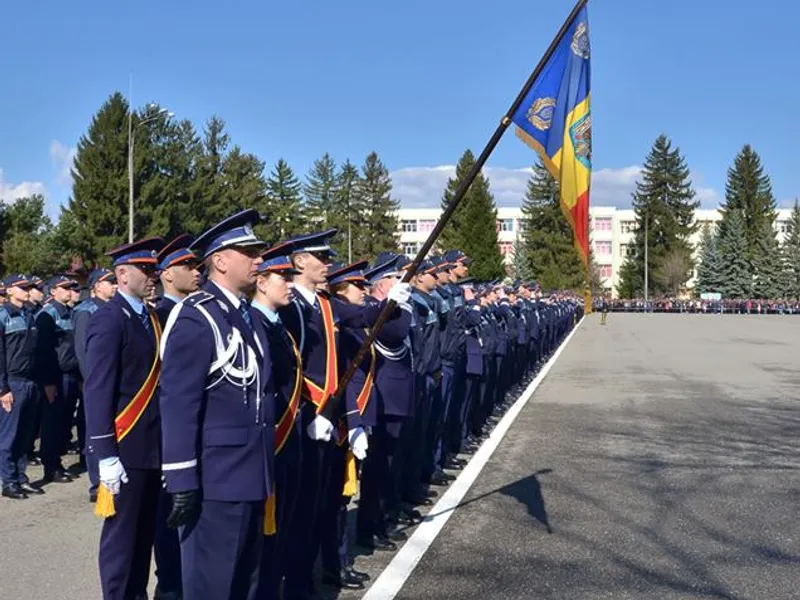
394,576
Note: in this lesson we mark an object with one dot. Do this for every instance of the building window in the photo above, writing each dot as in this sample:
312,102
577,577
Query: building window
409,226
506,248
602,247
410,249
602,224
605,271
427,225
627,226
626,250
783,226
505,224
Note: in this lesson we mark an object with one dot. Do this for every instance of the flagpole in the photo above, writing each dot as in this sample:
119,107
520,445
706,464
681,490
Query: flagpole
459,196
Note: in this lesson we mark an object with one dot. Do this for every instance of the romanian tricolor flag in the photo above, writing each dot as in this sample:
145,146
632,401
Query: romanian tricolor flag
554,119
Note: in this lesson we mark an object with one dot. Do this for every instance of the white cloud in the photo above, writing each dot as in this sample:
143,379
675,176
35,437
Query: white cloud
62,158
423,186
10,191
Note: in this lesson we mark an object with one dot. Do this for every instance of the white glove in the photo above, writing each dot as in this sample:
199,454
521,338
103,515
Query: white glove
358,442
320,429
400,293
112,473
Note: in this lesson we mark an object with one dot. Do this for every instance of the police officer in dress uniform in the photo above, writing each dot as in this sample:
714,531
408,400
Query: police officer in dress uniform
58,371
34,303
217,406
17,388
273,291
102,285
179,275
391,406
122,418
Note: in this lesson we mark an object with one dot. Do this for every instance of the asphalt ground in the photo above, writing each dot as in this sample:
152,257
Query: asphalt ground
659,458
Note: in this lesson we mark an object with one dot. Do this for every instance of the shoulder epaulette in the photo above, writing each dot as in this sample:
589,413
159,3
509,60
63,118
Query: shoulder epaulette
199,297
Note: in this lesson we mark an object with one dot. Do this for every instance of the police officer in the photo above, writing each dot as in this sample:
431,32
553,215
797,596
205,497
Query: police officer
217,406
17,388
179,275
102,286
57,366
273,291
122,418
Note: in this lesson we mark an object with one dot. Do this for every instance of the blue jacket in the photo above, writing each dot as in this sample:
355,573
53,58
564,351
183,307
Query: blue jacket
80,326
119,355
218,425
17,345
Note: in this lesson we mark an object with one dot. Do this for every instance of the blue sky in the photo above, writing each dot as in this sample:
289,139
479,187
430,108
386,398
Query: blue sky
416,81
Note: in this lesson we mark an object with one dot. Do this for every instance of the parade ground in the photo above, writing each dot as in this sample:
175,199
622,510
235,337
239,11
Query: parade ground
658,457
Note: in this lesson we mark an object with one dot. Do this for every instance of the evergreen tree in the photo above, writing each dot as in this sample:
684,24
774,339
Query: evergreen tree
27,242
550,252
748,190
664,204
99,201
709,270
346,205
284,201
791,249
244,186
737,271
470,229
521,261
320,194
768,265
378,224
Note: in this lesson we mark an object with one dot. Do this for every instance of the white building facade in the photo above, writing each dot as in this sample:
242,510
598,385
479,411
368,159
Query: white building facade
612,233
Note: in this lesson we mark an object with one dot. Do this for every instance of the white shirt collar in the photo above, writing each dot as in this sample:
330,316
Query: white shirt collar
311,297
232,298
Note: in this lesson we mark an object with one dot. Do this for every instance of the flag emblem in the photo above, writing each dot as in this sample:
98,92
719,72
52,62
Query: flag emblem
580,132
580,41
540,114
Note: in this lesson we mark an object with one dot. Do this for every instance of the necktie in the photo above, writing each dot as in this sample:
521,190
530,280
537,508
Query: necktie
244,308
145,317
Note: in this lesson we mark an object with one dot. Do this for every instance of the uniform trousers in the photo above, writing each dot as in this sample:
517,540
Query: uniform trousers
57,422
456,410
377,489
432,426
472,386
440,424
275,558
167,548
126,541
412,440
17,431
221,551
315,471
333,542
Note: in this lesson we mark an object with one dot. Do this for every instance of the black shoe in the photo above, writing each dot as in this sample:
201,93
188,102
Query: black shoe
439,479
455,463
14,492
361,576
57,476
400,519
161,595
34,460
419,501
394,536
343,579
431,494
30,489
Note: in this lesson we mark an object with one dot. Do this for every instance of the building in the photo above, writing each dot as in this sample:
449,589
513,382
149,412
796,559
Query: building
612,233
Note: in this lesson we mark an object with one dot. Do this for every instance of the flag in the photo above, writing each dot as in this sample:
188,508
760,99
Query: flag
554,119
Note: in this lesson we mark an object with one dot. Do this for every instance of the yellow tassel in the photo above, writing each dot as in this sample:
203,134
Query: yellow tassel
350,487
270,526
104,506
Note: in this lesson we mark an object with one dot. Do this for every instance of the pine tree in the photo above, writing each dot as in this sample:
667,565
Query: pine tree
664,204
791,249
550,254
244,186
768,268
709,269
470,229
521,261
284,201
347,205
99,199
748,189
320,194
378,224
737,271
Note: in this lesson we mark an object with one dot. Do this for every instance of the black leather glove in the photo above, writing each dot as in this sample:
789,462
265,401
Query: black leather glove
185,507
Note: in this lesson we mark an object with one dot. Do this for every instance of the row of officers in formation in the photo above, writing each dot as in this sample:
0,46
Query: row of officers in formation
699,306
212,423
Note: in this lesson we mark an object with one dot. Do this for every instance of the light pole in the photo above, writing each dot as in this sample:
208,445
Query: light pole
162,112
646,262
